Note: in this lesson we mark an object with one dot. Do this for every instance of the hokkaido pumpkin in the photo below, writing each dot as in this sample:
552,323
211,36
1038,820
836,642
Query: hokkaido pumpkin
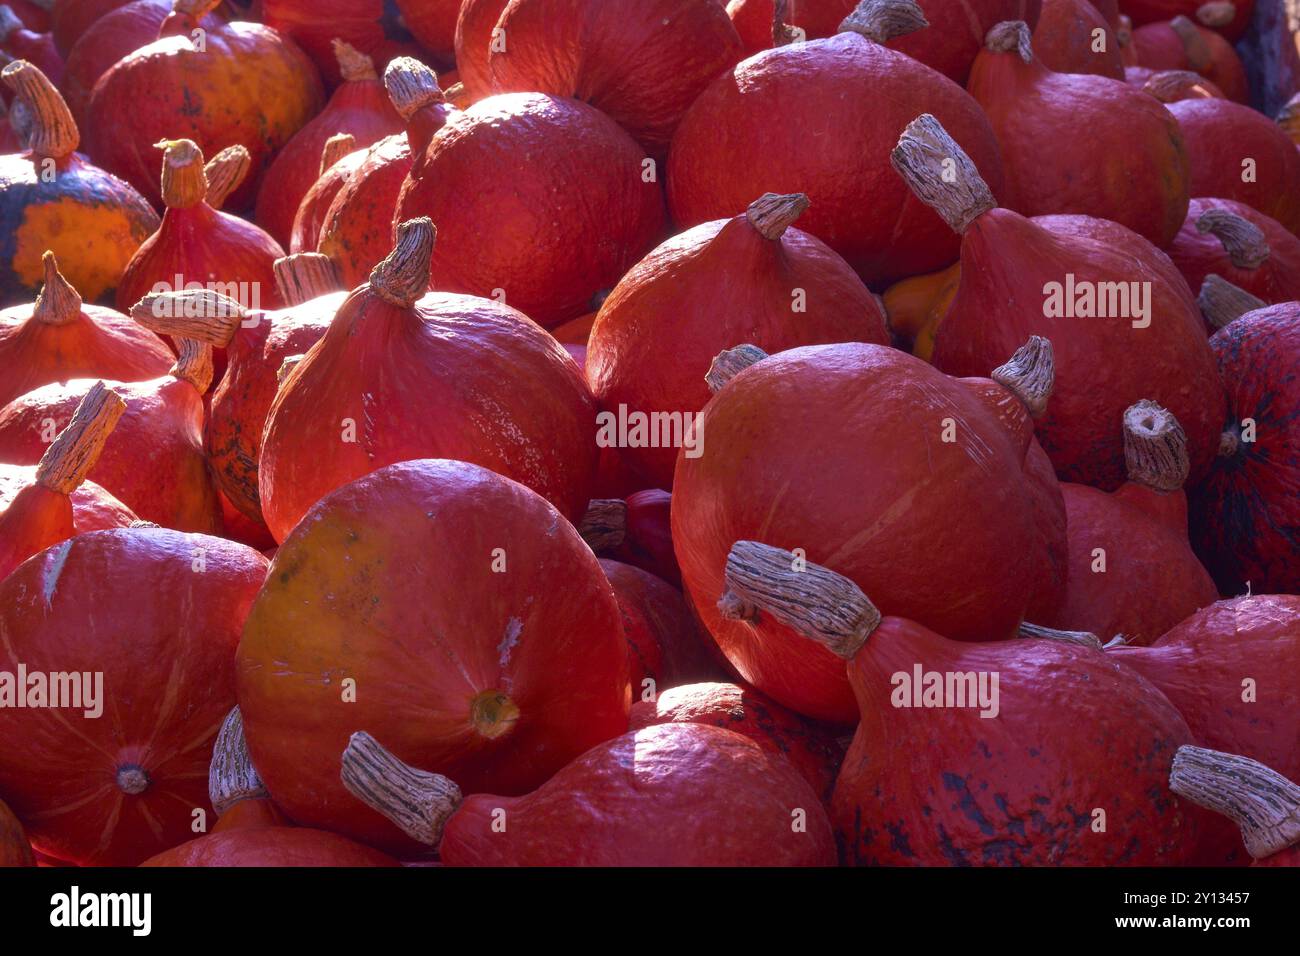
914,307
1180,44
71,18
742,138
372,26
1240,245
433,24
810,747
1072,36
1245,516
542,673
1131,168
34,14
1227,17
1041,275
257,343
400,374
540,200
19,42
58,337
116,788
339,159
951,491
678,794
271,846
14,848
1261,804
153,462
90,219
1131,569
658,332
638,531
239,84
360,106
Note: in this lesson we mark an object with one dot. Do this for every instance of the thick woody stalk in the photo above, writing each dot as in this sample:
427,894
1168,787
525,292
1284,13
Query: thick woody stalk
940,173
304,276
54,132
729,363
1221,302
1265,804
192,313
1155,447
417,802
1010,36
883,20
604,526
75,450
403,278
773,213
231,774
1242,240
1030,374
58,303
226,172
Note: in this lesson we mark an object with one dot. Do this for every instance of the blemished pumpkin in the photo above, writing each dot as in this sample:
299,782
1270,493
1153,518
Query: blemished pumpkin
676,794
1044,274
1240,245
1259,803
744,136
1072,36
117,788
660,329
543,670
90,219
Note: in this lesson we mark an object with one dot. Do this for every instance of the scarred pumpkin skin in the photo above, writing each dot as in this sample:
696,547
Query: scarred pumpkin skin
1246,513
541,673
943,786
1131,168
636,801
542,197
1064,40
754,130
372,26
271,846
1221,136
14,848
1197,254
810,747
904,526
1201,664
1186,46
116,789
658,332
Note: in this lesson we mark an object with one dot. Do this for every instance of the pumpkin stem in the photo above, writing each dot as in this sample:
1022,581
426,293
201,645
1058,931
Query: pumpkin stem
1124,32
75,450
1288,117
418,802
304,276
814,601
1170,86
1195,46
411,86
403,278
1119,640
1030,374
1155,447
782,33
184,180
58,303
1217,13
604,526
940,173
1037,632
141,523
1008,36
773,213
336,147
1229,443
194,9
199,314
193,364
729,363
493,714
883,20
1242,240
1265,804
287,366
354,66
225,172
231,775
1222,302
132,779
54,132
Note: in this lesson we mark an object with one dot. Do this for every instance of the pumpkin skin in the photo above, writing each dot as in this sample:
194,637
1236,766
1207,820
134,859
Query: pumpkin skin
1182,45
1200,665
1198,254
1246,513
540,196
372,26
1031,109
78,792
1152,11
92,221
71,18
730,148
660,329
248,87
915,306
19,42
562,660
1063,40
1220,135
310,217
433,23
1015,791
809,747
764,438
647,540
14,848
271,846
636,801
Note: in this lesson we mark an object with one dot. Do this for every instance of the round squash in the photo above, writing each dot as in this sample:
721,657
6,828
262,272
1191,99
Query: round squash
1240,245
1072,36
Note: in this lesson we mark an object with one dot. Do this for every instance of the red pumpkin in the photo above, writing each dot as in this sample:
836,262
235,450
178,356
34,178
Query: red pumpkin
119,787
58,338
339,160
91,220
1240,245
1246,514
541,673
433,23
34,14
642,535
542,200
14,848
1067,40
1131,168
820,118
1180,44
679,794
372,26
21,43
154,461
239,84
360,106
71,18
1042,275
657,333
1227,17
907,524
271,846
810,747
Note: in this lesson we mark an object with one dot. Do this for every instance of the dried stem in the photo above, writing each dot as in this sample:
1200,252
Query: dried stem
1242,240
940,173
199,314
1010,36
304,276
403,278
225,173
411,86
1037,632
1195,46
336,147
75,450
1222,302
1170,86
58,303
184,180
354,66
773,213
1155,447
604,526
54,132
729,363
1265,804
231,774
1030,374
193,364
1288,117
1217,13
418,802
883,20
